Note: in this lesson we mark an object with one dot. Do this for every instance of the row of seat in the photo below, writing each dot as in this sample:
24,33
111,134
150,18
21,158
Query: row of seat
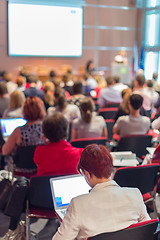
143,177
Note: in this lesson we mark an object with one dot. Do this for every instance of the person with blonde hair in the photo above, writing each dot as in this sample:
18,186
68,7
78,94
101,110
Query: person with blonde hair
48,89
89,125
17,100
124,108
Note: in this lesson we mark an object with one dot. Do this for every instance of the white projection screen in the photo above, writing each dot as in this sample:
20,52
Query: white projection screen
42,30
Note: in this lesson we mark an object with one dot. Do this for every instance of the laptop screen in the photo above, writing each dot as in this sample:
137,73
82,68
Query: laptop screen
66,188
8,125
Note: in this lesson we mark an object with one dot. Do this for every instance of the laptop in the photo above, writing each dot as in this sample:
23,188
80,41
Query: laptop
9,124
64,189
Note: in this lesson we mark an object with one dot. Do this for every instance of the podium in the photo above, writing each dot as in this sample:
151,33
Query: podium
123,71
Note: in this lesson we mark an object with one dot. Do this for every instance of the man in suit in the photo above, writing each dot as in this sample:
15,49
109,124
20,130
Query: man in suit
107,208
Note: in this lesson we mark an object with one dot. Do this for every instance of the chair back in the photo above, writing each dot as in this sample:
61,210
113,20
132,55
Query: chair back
83,142
109,125
107,113
139,231
135,143
24,157
112,104
143,177
40,195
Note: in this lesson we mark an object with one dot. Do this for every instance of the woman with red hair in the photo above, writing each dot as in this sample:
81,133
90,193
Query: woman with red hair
29,134
108,207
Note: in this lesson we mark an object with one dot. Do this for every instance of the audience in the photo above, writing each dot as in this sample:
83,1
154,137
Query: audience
124,108
48,89
21,83
156,85
134,123
139,89
14,110
108,207
89,125
57,156
4,98
11,86
69,111
77,93
109,94
29,134
32,90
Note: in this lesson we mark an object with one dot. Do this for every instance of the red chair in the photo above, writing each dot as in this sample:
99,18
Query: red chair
139,231
107,113
83,142
143,177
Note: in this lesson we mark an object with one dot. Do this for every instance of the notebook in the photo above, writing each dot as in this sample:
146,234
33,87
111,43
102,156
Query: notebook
64,189
124,159
9,124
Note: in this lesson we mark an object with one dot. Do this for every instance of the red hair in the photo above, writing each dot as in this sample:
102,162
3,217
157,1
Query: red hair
96,159
34,109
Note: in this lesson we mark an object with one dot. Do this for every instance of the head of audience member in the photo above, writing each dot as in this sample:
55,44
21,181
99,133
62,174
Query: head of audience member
135,102
3,89
20,81
48,89
96,164
77,88
2,73
139,81
149,83
125,96
33,109
116,79
60,99
17,99
52,74
140,72
55,128
32,80
89,66
87,107
7,77
109,81
155,76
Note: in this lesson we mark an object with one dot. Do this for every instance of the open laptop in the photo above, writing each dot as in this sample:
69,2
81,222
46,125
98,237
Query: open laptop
9,124
64,189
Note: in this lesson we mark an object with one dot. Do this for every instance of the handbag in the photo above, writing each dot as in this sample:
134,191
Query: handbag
17,197
5,190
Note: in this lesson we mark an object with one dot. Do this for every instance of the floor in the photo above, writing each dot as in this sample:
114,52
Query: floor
43,229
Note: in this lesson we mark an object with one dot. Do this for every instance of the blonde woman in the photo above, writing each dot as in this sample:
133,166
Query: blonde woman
48,89
124,109
17,100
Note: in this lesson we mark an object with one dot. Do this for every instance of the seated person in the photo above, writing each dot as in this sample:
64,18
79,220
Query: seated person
70,111
29,134
78,93
108,207
109,93
16,103
57,156
89,125
33,88
134,123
